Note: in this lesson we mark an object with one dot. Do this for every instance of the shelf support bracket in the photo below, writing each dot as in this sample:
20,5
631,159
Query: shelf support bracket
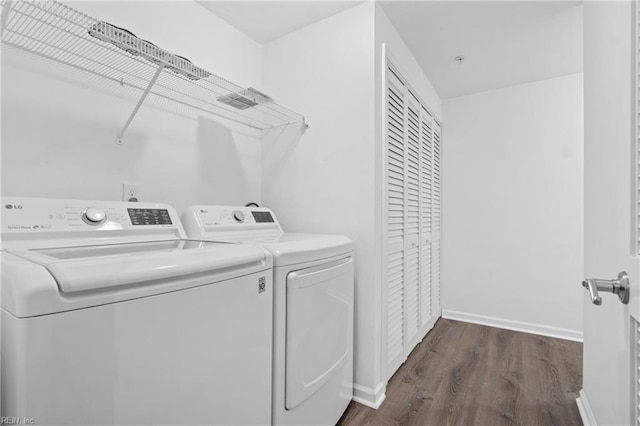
138,105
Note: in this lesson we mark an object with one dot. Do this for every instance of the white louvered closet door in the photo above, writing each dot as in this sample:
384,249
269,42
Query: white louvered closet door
412,226
411,221
437,220
395,220
427,319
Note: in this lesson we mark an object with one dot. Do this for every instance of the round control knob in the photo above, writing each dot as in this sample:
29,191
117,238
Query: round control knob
94,216
238,216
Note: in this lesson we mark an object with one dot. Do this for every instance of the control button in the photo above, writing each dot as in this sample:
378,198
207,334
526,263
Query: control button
94,216
238,216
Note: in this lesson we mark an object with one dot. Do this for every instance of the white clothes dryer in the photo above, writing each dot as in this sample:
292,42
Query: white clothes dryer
111,316
313,309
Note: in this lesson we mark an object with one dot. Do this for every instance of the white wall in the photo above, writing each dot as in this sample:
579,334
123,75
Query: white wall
323,180
59,128
512,248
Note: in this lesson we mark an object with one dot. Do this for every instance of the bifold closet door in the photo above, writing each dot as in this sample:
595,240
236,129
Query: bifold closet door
436,217
427,318
412,244
395,220
412,223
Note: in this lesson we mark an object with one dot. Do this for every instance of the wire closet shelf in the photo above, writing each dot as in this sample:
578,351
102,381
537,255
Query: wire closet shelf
60,33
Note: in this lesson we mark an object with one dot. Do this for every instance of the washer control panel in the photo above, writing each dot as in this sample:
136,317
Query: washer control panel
35,215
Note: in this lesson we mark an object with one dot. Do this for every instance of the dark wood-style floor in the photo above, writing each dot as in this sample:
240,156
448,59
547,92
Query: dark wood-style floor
468,374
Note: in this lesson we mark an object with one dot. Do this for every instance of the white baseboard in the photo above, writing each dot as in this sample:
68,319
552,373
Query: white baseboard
585,410
369,397
543,330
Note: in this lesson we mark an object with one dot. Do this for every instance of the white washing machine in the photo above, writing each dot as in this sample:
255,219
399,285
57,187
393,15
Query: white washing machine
313,310
110,316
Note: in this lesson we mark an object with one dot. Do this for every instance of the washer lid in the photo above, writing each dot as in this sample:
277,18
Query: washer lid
77,269
292,248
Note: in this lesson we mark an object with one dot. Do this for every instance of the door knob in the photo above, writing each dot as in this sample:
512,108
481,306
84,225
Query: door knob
619,286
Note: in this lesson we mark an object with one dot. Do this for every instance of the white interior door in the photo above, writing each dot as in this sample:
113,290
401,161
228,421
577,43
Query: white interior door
610,374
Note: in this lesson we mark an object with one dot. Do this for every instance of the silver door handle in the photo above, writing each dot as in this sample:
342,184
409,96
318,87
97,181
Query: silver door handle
619,287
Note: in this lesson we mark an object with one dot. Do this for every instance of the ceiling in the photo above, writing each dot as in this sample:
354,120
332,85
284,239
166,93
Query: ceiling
265,21
504,43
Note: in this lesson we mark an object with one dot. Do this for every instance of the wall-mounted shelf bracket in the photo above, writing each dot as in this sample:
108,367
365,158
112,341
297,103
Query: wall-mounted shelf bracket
138,105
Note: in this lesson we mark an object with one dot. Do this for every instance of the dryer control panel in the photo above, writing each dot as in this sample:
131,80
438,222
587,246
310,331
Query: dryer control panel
29,217
230,222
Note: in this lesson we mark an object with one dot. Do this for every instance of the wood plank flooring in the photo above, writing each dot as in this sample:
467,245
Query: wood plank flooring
468,374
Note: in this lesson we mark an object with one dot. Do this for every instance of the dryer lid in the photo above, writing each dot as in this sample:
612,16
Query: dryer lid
77,269
293,248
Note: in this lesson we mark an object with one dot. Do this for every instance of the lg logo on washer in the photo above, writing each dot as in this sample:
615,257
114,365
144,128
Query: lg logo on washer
13,206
